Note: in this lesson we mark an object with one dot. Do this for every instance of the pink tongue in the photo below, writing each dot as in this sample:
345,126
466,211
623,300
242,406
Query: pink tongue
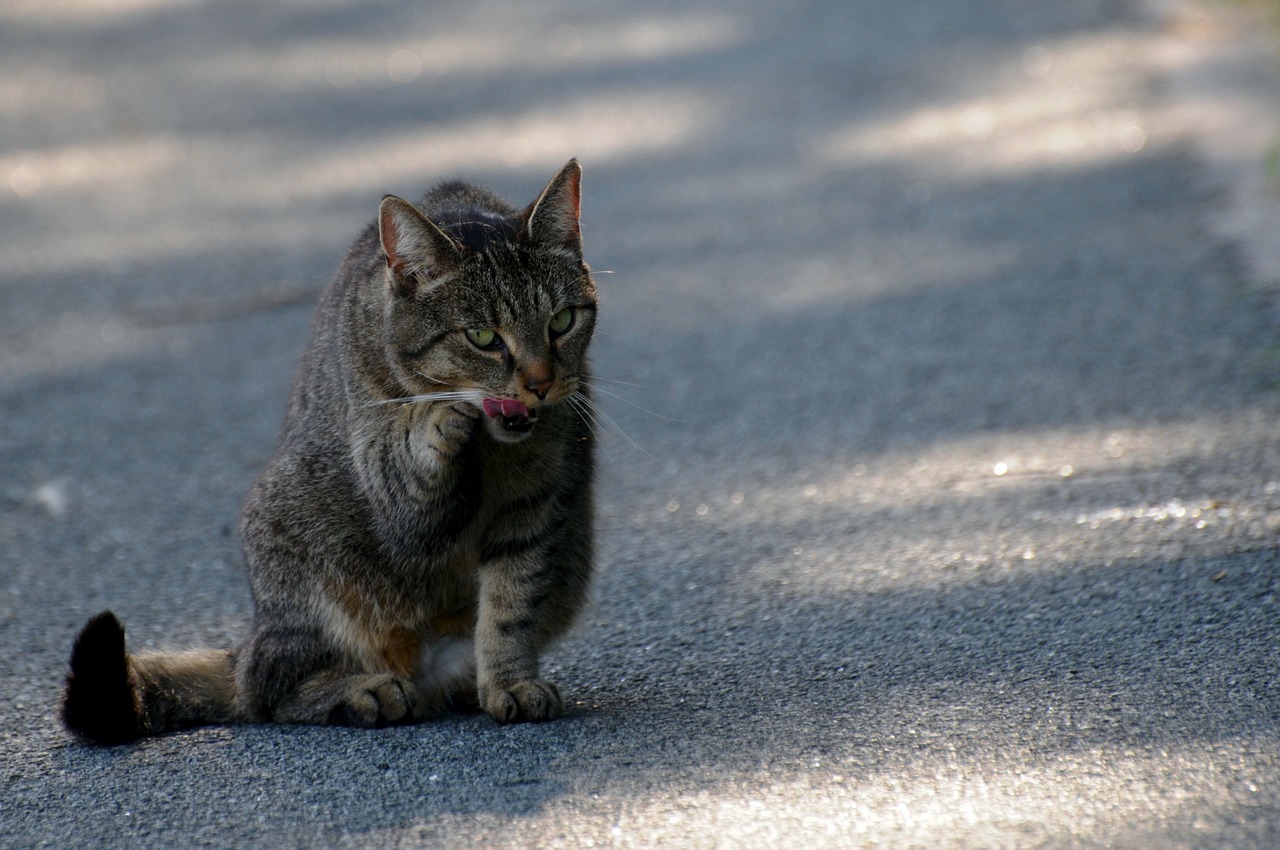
504,407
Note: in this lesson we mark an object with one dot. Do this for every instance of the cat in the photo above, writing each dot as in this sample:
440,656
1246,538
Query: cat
424,528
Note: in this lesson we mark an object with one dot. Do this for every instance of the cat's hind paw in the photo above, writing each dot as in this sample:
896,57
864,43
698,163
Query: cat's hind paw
374,701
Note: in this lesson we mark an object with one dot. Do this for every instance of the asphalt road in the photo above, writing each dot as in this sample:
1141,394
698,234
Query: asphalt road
942,505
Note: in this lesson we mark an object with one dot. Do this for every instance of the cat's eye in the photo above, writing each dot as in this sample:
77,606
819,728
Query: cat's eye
486,339
561,321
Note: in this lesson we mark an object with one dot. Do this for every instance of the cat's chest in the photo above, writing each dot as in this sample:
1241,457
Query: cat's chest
511,473
517,484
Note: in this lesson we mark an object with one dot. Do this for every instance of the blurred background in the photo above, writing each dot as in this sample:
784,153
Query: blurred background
940,490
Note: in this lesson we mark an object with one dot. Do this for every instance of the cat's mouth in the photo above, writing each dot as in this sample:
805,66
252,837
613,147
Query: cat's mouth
514,415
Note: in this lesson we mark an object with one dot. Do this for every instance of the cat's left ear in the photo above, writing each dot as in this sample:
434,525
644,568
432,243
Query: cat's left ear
417,250
553,218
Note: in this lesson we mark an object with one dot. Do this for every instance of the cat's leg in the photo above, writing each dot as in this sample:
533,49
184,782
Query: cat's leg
417,472
294,675
509,686
526,600
345,699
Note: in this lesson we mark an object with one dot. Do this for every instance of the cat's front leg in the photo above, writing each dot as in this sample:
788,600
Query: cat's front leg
443,432
509,635
416,470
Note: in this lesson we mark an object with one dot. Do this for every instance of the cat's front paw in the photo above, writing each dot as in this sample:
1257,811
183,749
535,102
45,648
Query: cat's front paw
374,701
452,428
535,701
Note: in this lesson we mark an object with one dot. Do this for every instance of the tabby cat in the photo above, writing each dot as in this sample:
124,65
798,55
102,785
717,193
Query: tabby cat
424,528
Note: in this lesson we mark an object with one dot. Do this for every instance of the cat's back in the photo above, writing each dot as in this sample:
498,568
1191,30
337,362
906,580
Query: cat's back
455,198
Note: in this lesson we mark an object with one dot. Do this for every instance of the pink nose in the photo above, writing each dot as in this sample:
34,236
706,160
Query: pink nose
539,386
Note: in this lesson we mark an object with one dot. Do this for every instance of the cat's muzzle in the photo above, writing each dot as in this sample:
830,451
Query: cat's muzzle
515,416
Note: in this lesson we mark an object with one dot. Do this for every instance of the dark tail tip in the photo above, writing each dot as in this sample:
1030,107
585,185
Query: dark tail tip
100,703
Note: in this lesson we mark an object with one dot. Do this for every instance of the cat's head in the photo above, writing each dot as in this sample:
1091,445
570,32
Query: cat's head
488,306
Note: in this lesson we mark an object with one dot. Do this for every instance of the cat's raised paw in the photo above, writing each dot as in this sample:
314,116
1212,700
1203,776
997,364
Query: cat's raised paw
532,701
374,701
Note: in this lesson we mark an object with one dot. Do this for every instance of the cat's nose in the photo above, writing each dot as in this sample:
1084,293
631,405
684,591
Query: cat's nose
539,384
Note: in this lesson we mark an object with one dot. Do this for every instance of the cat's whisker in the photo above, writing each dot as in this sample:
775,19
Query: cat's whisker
593,422
642,409
596,379
583,414
589,419
455,396
599,416
422,374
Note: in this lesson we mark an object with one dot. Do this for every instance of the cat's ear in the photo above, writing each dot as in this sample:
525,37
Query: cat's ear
418,252
553,218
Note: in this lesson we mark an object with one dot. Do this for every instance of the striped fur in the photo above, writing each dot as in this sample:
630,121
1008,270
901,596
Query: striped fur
407,554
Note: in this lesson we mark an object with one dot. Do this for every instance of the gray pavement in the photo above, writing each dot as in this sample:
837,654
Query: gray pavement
943,502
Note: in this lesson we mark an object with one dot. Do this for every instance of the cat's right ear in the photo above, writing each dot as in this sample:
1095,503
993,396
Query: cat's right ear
418,252
553,218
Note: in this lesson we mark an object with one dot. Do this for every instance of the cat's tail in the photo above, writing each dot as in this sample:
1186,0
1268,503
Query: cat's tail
113,697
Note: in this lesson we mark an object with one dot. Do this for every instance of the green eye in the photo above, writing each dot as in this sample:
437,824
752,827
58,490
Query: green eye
562,321
483,338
